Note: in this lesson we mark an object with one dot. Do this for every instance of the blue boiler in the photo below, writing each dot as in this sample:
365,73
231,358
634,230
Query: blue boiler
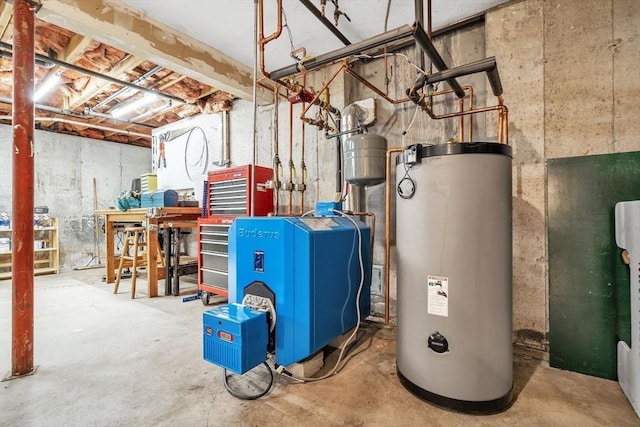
310,270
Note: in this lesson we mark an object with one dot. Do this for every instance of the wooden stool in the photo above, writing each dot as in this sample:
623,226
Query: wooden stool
134,236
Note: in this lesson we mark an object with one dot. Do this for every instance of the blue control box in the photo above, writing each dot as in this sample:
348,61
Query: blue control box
328,208
235,337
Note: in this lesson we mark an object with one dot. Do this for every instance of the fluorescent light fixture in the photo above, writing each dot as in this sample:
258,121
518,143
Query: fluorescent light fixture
49,83
145,100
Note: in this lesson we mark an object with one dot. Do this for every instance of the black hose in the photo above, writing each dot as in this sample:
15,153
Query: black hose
234,393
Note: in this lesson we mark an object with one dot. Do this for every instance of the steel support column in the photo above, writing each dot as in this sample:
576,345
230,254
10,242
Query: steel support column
23,183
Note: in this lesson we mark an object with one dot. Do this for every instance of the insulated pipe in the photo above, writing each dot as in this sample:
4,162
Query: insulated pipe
318,14
463,23
387,235
419,15
355,48
23,183
487,65
434,56
100,76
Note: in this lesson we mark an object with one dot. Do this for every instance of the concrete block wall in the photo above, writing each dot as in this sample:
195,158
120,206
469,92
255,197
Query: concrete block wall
65,167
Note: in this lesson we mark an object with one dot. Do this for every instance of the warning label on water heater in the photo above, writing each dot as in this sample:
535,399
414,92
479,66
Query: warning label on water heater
438,295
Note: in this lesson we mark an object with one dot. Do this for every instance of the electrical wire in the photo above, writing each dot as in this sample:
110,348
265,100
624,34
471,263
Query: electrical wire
382,55
413,119
337,366
204,154
239,395
286,25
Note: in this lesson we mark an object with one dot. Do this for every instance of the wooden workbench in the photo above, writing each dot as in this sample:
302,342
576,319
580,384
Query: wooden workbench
153,219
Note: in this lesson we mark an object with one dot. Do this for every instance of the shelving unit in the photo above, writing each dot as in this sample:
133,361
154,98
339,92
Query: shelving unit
46,254
213,255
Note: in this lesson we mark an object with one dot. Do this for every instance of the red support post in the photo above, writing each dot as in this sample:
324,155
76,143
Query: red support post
23,183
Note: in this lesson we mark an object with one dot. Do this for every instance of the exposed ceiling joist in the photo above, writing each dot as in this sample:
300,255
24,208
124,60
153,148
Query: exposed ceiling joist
6,12
115,23
96,85
76,47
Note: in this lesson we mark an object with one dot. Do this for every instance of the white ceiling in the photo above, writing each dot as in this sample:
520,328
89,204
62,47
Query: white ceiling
228,25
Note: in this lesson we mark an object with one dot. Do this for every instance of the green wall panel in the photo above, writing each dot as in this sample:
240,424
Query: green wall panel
589,309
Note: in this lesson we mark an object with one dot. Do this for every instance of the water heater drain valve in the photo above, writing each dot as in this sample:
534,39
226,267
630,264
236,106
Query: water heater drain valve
438,343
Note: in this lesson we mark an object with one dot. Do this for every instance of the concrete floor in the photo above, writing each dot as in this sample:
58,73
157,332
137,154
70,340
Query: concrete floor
107,360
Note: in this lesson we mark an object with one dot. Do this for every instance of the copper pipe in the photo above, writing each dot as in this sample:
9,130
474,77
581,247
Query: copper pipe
470,108
503,136
275,119
461,123
314,101
262,41
387,234
303,166
23,186
290,211
276,149
373,88
470,90
429,32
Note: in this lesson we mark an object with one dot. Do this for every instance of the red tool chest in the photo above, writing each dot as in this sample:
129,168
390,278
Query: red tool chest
229,191
227,196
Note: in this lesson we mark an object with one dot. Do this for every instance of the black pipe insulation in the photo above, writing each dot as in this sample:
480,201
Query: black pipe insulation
344,52
404,44
434,56
100,75
419,12
487,65
314,10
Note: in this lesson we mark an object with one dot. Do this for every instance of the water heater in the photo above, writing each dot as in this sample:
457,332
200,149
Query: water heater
454,274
